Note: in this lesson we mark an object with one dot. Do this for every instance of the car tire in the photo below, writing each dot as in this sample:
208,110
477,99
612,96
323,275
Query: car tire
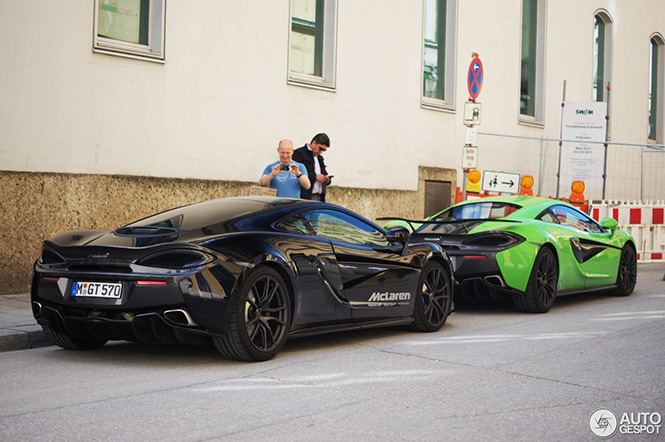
71,343
627,275
260,318
541,289
433,299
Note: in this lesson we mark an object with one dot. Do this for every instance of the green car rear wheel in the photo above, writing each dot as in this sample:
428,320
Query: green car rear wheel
627,276
542,286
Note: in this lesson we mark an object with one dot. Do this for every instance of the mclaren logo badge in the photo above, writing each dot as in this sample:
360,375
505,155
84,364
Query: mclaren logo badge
389,296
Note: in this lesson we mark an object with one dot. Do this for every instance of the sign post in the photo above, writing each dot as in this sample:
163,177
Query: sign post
472,117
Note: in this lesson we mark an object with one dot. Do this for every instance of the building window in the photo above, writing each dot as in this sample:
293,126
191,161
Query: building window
602,55
532,74
130,28
656,83
440,18
312,43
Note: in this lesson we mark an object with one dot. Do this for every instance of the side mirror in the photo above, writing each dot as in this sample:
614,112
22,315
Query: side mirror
398,234
609,224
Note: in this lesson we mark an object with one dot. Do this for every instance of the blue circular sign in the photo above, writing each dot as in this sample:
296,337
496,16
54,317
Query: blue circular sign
475,78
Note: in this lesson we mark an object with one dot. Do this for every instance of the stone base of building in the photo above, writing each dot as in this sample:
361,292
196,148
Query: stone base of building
35,206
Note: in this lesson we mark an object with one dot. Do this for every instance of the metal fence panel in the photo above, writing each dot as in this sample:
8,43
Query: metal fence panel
633,171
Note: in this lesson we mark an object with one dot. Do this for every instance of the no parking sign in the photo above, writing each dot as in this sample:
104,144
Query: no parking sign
475,78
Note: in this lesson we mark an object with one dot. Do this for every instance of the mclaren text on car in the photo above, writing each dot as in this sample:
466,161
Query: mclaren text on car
246,273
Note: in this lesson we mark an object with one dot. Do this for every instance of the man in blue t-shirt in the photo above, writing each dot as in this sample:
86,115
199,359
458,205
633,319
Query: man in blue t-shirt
285,175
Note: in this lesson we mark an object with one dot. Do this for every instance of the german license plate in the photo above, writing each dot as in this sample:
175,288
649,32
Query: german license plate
111,290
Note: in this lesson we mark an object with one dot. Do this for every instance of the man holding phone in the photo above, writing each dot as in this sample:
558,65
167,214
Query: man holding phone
285,175
310,156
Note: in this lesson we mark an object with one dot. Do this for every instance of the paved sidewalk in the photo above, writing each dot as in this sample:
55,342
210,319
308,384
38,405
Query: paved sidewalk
18,328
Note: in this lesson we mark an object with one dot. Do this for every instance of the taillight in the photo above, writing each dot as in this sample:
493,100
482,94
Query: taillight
499,240
175,259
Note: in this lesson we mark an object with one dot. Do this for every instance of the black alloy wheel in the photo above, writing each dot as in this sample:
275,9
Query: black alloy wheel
542,286
433,300
260,318
627,275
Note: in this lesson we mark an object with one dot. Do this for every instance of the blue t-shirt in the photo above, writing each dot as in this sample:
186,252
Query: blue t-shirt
285,182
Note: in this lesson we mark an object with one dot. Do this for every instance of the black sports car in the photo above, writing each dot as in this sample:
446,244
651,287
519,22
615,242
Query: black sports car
248,272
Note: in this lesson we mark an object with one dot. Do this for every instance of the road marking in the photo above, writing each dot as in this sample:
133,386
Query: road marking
326,380
481,339
654,314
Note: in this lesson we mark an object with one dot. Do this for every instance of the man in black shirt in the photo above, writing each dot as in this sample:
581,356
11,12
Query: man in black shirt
310,156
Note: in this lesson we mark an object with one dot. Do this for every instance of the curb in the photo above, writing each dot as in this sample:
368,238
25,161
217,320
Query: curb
22,338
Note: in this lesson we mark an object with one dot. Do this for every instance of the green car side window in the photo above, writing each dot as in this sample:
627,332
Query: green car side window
576,219
548,217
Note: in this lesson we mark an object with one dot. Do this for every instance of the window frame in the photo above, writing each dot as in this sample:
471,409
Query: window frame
153,50
449,57
328,47
657,40
606,19
538,119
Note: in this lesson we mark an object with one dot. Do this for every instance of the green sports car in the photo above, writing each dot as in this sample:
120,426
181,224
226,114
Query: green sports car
529,249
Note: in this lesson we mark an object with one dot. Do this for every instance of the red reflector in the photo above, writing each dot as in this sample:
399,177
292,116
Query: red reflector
50,278
474,256
150,282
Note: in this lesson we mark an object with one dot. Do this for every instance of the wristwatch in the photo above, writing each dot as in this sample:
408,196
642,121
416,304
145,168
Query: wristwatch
298,176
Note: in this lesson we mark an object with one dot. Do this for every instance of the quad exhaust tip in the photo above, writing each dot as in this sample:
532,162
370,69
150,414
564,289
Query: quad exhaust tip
36,309
495,281
180,317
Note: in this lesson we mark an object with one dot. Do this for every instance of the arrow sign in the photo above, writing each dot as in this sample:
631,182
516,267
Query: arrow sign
502,182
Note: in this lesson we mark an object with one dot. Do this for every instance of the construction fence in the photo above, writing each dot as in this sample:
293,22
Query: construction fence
633,172
632,191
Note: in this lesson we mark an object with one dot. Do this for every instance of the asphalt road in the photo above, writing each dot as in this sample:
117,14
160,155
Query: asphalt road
489,374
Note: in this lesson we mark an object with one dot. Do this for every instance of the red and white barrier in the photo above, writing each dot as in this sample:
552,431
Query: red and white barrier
644,221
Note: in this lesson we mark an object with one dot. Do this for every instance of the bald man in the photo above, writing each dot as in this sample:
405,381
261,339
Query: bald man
285,175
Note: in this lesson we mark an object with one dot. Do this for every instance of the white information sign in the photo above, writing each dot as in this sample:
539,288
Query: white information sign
582,122
502,182
472,113
471,132
470,157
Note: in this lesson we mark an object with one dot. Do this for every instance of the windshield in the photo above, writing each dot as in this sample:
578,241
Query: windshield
479,210
474,211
